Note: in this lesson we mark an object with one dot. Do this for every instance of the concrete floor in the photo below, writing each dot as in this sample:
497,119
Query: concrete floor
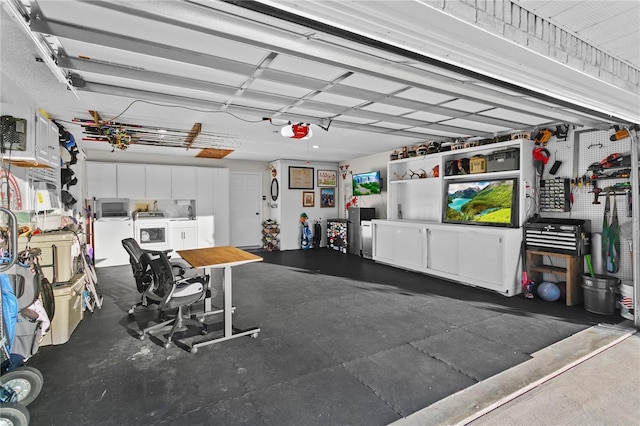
344,341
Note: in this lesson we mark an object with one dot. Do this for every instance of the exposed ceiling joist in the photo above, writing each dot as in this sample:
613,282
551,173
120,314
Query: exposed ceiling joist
375,76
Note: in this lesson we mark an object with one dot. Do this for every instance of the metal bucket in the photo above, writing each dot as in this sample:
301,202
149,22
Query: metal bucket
600,293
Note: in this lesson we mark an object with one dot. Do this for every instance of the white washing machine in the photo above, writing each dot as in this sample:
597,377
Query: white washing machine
151,230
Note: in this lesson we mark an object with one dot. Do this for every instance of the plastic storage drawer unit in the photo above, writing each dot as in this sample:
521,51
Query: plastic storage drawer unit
507,159
60,250
68,312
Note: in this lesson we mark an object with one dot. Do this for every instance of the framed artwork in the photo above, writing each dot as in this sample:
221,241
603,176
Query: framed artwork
308,198
300,177
327,178
327,197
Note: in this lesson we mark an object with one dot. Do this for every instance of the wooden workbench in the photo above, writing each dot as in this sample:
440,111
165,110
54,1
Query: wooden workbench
572,272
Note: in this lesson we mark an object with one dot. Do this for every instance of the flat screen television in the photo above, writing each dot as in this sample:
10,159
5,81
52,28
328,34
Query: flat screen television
492,202
367,183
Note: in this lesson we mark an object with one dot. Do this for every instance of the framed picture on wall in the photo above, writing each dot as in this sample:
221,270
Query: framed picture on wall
300,177
327,178
308,198
327,197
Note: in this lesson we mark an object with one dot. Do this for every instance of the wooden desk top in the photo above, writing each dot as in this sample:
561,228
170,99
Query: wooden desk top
217,257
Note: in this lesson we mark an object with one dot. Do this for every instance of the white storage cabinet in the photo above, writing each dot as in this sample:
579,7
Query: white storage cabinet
415,237
157,182
101,180
39,146
131,180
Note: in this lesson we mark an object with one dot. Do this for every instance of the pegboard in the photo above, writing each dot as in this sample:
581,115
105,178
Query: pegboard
582,148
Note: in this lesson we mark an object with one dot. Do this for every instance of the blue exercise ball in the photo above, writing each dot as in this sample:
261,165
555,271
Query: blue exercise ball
549,291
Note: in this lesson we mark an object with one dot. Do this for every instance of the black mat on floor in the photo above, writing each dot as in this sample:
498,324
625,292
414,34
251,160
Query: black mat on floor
343,341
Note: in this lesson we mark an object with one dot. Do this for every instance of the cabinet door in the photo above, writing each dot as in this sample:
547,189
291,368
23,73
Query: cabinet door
443,250
175,238
183,183
190,238
44,150
131,181
204,207
101,180
383,242
410,247
158,182
481,257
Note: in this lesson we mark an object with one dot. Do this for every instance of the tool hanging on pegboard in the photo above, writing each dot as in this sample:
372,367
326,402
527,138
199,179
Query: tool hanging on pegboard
611,235
543,136
540,159
622,132
562,131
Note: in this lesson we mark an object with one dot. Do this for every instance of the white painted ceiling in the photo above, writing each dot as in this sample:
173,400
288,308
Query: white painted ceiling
173,64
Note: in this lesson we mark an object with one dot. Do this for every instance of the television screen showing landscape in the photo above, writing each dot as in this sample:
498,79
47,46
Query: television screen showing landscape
366,183
481,202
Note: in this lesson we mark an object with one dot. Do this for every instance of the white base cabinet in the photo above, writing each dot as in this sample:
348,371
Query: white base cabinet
183,235
486,257
402,244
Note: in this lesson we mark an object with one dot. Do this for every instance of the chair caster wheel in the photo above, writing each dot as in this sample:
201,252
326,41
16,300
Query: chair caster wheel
193,350
204,332
141,336
254,335
166,345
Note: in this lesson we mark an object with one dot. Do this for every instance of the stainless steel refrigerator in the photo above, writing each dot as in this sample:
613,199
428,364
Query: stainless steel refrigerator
354,236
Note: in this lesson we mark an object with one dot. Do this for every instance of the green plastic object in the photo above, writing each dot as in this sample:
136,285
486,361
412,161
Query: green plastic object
589,265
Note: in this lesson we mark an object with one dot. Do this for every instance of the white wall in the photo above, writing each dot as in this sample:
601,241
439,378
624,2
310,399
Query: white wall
369,163
289,204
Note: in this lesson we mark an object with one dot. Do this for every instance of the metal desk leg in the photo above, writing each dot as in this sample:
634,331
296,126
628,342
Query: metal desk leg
227,296
207,299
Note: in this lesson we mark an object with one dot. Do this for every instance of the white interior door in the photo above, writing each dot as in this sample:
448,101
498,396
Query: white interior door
246,200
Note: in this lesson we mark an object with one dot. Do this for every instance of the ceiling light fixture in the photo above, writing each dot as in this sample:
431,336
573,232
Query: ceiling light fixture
297,131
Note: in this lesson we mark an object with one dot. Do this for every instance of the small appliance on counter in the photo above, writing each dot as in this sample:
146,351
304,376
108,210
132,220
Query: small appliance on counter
106,208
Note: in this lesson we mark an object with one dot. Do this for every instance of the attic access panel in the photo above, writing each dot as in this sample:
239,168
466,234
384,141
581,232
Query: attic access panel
215,153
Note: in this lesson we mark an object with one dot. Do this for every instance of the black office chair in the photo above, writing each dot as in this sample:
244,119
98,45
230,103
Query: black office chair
144,277
175,292
141,273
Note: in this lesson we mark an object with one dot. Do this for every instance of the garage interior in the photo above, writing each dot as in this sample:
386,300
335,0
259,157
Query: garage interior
344,340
